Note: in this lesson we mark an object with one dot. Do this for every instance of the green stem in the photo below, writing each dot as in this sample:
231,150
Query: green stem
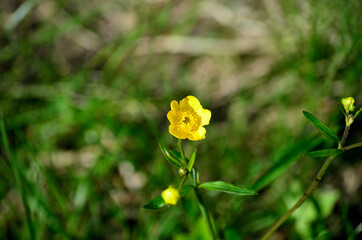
183,181
205,213
180,145
313,186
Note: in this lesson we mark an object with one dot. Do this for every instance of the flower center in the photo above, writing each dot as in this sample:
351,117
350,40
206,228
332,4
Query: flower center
186,120
190,121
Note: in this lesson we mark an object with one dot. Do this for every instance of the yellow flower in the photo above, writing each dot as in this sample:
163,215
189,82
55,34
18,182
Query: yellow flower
170,195
348,104
188,118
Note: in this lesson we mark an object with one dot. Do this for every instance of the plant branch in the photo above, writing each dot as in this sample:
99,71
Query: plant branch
183,181
204,211
352,146
345,134
312,186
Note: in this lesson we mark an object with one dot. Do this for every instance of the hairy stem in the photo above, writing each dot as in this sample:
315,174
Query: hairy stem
312,186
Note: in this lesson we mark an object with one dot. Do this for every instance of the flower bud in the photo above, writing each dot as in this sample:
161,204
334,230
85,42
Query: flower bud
182,172
348,104
170,195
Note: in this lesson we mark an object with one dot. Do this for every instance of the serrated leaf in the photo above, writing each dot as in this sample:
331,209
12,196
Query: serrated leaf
227,188
321,127
170,157
155,203
192,161
324,153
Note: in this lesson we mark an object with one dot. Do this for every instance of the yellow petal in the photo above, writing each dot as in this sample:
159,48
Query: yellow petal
197,135
189,103
174,130
172,116
174,105
205,116
194,102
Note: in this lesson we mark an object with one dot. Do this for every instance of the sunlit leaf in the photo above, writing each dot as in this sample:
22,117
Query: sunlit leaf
227,188
324,153
321,127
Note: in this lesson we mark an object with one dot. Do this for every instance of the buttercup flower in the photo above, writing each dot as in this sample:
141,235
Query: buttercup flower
348,104
187,119
170,195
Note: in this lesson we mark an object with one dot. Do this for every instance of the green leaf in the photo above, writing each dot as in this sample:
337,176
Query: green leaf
192,161
195,176
177,155
155,203
324,153
321,127
170,157
227,188
358,112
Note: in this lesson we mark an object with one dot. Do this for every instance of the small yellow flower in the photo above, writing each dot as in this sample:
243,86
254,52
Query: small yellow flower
170,195
188,118
348,104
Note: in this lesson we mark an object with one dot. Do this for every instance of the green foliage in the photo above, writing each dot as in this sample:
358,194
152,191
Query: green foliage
192,161
85,87
155,203
321,127
324,153
227,188
172,157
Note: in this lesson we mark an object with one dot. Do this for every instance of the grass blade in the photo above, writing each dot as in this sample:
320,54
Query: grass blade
18,180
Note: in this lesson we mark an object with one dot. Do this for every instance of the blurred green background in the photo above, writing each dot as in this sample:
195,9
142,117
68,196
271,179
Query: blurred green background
85,87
